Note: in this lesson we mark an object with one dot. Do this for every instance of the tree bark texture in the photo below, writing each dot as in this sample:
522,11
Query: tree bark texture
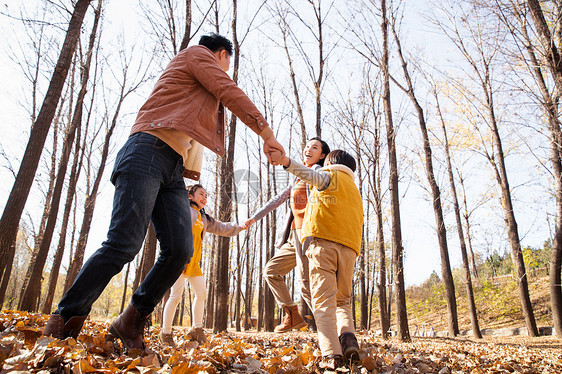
90,203
20,191
551,109
32,290
510,221
397,249
446,273
384,316
472,310
220,322
70,194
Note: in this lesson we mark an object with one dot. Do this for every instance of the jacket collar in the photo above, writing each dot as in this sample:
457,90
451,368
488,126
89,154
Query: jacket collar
339,167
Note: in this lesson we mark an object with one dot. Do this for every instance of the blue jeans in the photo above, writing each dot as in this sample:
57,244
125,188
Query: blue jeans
148,186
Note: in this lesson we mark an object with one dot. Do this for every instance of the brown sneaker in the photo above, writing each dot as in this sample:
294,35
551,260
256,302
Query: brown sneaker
349,346
129,327
57,328
198,334
291,320
167,339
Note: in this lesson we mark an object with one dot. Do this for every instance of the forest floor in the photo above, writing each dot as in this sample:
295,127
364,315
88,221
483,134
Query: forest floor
24,349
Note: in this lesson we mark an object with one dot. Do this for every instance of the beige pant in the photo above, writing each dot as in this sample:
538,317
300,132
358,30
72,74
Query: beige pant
331,275
290,256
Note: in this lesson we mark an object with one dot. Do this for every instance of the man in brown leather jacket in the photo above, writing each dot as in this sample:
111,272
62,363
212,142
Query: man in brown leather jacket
184,110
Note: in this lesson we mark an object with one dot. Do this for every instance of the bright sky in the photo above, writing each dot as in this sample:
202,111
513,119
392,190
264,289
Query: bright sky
420,242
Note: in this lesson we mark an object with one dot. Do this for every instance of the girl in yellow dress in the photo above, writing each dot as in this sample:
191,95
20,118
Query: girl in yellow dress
202,223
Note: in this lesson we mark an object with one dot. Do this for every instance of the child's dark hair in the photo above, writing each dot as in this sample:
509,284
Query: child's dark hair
325,149
338,156
216,42
191,191
193,188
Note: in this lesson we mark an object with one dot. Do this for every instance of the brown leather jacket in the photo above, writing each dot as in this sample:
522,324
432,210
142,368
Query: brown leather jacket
188,97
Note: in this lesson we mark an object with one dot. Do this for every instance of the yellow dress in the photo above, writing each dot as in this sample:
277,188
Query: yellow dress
192,269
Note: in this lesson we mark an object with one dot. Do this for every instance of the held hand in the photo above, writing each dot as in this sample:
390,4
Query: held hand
279,159
275,157
248,223
271,145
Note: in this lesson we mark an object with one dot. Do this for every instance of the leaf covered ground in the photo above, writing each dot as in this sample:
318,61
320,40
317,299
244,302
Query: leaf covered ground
24,349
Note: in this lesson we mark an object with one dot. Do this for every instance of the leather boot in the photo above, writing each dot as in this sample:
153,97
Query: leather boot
57,328
167,339
291,320
349,346
129,327
197,333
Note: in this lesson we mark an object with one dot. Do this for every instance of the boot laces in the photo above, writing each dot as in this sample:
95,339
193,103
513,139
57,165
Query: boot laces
143,325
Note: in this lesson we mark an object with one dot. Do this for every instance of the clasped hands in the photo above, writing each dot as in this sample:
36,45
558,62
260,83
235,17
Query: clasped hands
275,152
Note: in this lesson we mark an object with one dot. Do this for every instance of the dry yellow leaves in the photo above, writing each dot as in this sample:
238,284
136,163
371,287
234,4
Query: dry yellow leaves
24,349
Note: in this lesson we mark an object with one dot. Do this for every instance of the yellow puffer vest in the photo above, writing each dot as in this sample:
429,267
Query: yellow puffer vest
336,213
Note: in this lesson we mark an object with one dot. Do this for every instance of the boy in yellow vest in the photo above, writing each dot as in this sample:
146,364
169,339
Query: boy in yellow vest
333,224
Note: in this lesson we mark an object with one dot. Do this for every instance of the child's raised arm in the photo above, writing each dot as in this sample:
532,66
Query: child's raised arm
222,228
319,179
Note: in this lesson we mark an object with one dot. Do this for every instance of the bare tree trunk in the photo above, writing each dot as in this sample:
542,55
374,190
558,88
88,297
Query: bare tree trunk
446,273
249,267
212,278
466,216
269,300
513,234
556,256
6,280
90,203
397,249
298,105
148,256
483,70
124,296
70,195
32,290
321,62
261,281
225,205
381,250
551,107
49,196
187,33
28,167
238,280
248,292
467,274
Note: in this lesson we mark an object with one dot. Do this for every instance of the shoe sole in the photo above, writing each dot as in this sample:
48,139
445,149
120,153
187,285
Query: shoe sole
352,355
